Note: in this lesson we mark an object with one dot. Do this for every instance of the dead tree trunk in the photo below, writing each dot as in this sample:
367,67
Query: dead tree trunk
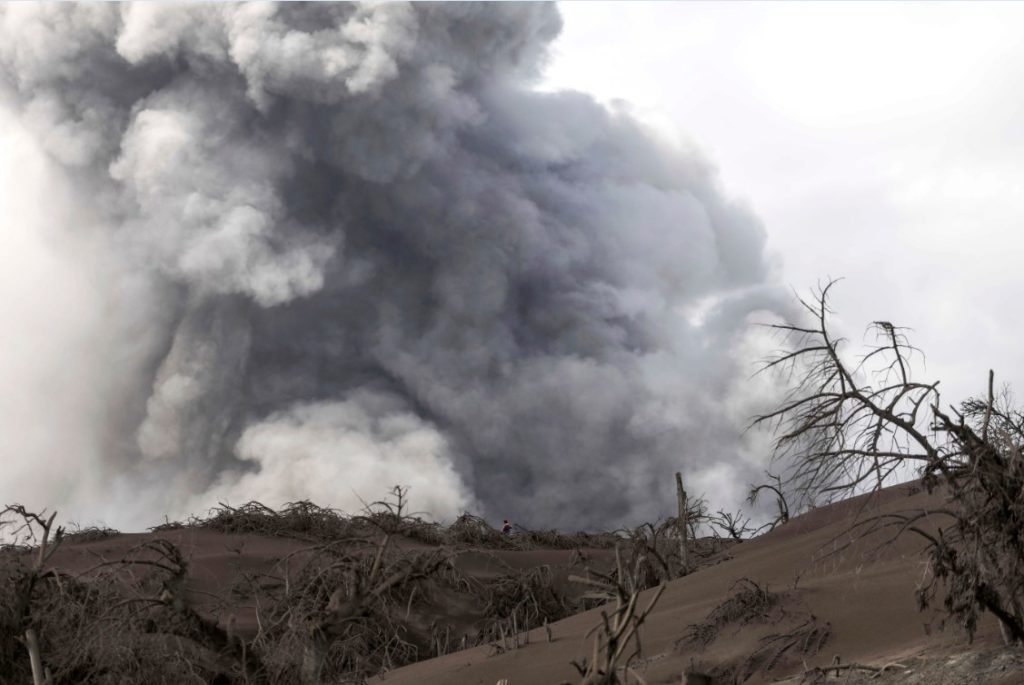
684,553
39,675
314,654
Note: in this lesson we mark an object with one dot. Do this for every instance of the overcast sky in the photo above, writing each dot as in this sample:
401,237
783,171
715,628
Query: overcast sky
880,142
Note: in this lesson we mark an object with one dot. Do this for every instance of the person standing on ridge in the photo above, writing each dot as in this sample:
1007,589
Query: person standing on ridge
506,527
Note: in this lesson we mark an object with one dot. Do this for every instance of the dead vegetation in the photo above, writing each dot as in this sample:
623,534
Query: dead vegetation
520,601
851,429
750,604
78,534
733,527
803,641
776,488
655,553
820,674
39,539
130,624
305,520
616,639
348,605
976,667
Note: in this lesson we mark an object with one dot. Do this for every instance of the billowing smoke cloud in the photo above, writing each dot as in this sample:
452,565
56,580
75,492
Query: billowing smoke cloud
338,247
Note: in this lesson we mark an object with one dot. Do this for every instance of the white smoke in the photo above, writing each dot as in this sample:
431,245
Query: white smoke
333,451
332,248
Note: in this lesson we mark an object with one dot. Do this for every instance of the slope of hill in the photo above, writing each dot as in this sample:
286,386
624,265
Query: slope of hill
806,595
244,596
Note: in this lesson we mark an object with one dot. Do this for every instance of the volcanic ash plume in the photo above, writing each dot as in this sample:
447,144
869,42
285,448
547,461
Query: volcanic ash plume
331,248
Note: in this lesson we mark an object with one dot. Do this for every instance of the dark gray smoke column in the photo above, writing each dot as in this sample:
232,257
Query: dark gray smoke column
371,253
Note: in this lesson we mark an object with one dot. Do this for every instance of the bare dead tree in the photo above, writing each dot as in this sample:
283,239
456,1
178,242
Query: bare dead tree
980,554
616,637
344,609
30,528
684,554
390,514
775,487
735,525
850,429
